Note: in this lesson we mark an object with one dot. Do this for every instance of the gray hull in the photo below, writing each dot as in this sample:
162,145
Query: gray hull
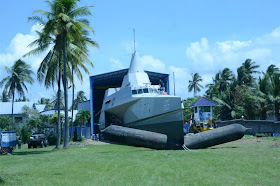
170,124
161,115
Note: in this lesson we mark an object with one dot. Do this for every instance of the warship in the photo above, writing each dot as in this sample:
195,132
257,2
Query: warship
140,105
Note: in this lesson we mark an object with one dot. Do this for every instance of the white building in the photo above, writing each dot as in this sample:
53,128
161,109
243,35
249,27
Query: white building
6,110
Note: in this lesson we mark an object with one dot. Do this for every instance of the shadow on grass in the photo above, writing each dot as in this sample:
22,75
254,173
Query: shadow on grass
1,181
223,147
30,153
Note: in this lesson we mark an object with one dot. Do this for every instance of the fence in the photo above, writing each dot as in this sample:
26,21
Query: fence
256,126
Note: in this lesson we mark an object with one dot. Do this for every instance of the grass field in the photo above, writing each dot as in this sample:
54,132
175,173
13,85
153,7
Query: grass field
244,162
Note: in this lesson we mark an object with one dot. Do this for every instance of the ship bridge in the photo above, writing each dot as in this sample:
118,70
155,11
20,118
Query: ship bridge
100,83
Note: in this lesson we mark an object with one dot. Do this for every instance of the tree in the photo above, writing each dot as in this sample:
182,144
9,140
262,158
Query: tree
19,75
57,101
64,24
246,71
45,101
194,84
80,98
5,122
82,118
189,111
4,97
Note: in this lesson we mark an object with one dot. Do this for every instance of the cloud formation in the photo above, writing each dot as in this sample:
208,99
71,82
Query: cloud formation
208,58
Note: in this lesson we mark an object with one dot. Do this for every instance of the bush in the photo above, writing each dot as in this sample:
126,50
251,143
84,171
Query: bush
81,138
24,135
52,138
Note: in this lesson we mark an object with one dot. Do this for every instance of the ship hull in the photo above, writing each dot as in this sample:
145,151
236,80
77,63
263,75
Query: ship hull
155,114
170,124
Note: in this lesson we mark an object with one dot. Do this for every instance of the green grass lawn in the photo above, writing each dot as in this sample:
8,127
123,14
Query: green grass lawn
244,162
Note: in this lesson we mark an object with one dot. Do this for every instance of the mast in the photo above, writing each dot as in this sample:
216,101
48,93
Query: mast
134,39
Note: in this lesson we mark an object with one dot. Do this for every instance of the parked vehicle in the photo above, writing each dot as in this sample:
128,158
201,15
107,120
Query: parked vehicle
7,142
38,139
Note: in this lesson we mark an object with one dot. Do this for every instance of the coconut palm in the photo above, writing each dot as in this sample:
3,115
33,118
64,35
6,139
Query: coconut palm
4,97
63,24
194,84
246,71
54,101
19,75
82,118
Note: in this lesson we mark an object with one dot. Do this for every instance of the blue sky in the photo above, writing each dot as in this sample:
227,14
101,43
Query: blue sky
171,36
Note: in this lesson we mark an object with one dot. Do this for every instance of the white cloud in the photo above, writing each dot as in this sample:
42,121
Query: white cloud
116,64
232,45
152,64
19,47
272,38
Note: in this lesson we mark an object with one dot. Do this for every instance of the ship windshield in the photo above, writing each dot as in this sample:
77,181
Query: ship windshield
145,90
140,91
134,92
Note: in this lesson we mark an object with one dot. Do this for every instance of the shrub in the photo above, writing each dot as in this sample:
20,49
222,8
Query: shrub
52,138
81,138
24,135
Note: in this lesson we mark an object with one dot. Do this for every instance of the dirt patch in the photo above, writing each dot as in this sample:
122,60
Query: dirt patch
89,142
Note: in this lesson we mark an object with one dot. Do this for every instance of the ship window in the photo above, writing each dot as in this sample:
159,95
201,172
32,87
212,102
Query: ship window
134,91
145,90
108,101
140,91
156,90
150,90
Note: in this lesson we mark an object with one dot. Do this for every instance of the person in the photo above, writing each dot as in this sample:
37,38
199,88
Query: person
214,124
97,131
19,143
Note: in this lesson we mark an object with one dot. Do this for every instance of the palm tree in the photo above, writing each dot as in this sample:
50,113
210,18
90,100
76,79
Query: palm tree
19,75
54,101
80,98
246,71
82,117
194,84
4,97
64,26
226,77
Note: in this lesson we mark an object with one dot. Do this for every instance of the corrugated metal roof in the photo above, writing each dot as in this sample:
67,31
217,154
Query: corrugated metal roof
203,102
51,112
6,107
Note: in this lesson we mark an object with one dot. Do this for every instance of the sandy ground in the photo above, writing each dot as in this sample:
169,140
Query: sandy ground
90,142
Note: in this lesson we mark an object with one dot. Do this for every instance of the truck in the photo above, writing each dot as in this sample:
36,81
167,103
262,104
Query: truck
8,142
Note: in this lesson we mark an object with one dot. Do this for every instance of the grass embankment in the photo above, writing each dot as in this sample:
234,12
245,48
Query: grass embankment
244,162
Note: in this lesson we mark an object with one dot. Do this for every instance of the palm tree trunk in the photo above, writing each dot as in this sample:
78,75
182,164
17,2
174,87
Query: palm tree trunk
58,115
81,132
66,135
13,120
72,103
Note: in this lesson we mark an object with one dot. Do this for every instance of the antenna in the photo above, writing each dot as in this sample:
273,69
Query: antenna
134,38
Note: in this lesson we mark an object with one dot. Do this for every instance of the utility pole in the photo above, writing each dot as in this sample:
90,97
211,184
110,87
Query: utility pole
174,82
